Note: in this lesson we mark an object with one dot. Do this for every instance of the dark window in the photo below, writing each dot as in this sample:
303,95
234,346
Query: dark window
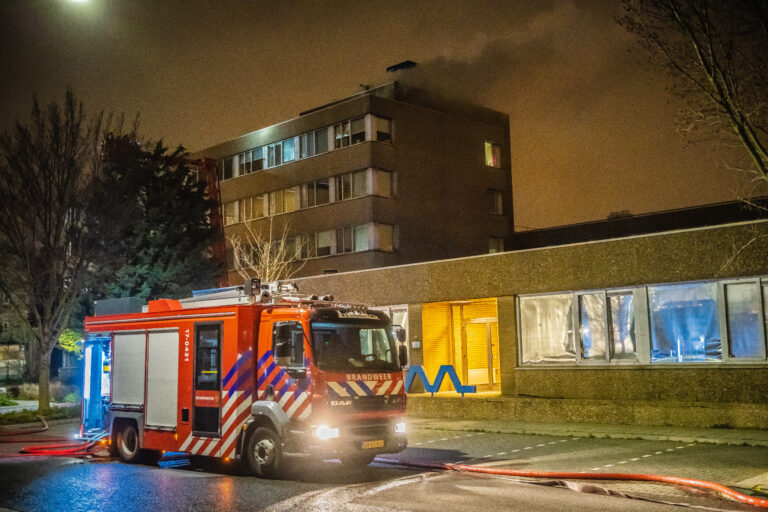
258,159
207,358
358,130
344,239
227,171
321,141
288,344
343,187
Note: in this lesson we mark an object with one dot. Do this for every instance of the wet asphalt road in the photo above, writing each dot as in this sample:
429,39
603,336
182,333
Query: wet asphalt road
38,484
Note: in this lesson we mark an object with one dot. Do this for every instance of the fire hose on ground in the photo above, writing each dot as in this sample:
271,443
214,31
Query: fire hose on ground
676,480
85,448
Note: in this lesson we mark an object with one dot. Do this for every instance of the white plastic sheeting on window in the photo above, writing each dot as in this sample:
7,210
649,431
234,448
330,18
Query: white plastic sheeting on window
684,323
744,321
594,335
622,316
547,329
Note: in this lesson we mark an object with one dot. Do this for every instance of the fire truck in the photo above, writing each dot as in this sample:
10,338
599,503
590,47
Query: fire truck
250,373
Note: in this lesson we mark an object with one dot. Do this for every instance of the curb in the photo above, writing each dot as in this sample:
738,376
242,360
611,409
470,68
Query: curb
14,426
569,431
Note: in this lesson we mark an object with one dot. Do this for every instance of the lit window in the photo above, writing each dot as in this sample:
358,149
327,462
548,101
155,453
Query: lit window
289,150
594,335
383,128
492,154
547,329
245,163
495,245
495,200
684,323
307,145
275,154
621,313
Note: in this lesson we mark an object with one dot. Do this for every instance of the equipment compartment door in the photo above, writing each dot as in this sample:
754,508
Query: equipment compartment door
162,378
207,379
128,357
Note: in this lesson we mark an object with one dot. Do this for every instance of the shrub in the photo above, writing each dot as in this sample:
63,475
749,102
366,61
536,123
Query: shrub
72,398
5,400
54,413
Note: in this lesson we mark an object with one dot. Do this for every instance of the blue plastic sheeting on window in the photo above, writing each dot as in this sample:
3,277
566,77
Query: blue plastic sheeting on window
744,325
593,329
684,323
622,313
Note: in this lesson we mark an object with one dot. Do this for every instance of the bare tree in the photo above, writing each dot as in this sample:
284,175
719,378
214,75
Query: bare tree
270,256
58,210
718,52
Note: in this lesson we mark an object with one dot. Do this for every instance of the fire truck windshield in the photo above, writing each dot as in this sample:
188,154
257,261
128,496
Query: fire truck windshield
352,347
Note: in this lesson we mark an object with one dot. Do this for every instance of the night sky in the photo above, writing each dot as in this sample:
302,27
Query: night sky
592,122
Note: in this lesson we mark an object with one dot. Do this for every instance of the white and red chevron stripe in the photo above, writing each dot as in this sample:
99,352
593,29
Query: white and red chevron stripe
234,413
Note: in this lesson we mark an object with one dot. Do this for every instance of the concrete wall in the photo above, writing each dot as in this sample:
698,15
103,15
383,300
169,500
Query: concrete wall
719,394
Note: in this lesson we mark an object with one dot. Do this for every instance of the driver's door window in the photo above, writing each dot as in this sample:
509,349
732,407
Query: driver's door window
288,344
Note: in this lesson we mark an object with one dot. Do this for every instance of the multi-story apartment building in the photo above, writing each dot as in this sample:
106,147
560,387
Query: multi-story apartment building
385,177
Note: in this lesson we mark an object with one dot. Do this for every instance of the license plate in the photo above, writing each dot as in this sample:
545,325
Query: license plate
379,443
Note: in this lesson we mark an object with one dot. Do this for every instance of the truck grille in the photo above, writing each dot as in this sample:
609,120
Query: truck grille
376,403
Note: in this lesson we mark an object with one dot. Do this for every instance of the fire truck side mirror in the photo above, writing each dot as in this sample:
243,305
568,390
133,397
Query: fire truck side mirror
399,332
403,353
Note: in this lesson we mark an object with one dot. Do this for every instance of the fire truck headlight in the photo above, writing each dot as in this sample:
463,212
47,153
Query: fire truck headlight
325,432
400,428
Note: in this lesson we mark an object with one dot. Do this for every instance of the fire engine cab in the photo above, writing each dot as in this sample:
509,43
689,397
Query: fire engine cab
252,373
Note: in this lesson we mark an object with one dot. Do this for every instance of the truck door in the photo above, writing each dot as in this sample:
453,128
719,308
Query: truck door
207,380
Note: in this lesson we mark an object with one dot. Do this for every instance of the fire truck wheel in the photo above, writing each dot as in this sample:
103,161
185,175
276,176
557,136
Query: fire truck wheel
357,461
264,453
128,443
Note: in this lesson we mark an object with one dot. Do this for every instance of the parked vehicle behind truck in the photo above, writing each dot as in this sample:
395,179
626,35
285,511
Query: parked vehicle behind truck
249,373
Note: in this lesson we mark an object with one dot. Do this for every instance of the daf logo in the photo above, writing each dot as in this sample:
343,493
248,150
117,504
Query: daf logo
341,402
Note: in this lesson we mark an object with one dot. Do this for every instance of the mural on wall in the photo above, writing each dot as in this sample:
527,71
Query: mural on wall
446,369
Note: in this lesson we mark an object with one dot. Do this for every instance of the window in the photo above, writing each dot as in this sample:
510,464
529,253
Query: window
495,245
230,213
684,323
259,206
495,198
383,183
343,187
318,192
275,154
362,235
227,169
276,204
359,183
292,199
383,237
294,247
341,135
245,211
344,239
745,322
547,329
288,344
289,150
207,357
257,159
324,242
357,129
321,141
383,129
307,144
492,154
720,322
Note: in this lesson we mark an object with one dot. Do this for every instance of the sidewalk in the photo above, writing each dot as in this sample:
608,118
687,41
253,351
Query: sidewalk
31,405
745,437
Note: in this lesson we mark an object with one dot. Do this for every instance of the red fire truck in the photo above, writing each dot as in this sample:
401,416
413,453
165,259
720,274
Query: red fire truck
250,373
